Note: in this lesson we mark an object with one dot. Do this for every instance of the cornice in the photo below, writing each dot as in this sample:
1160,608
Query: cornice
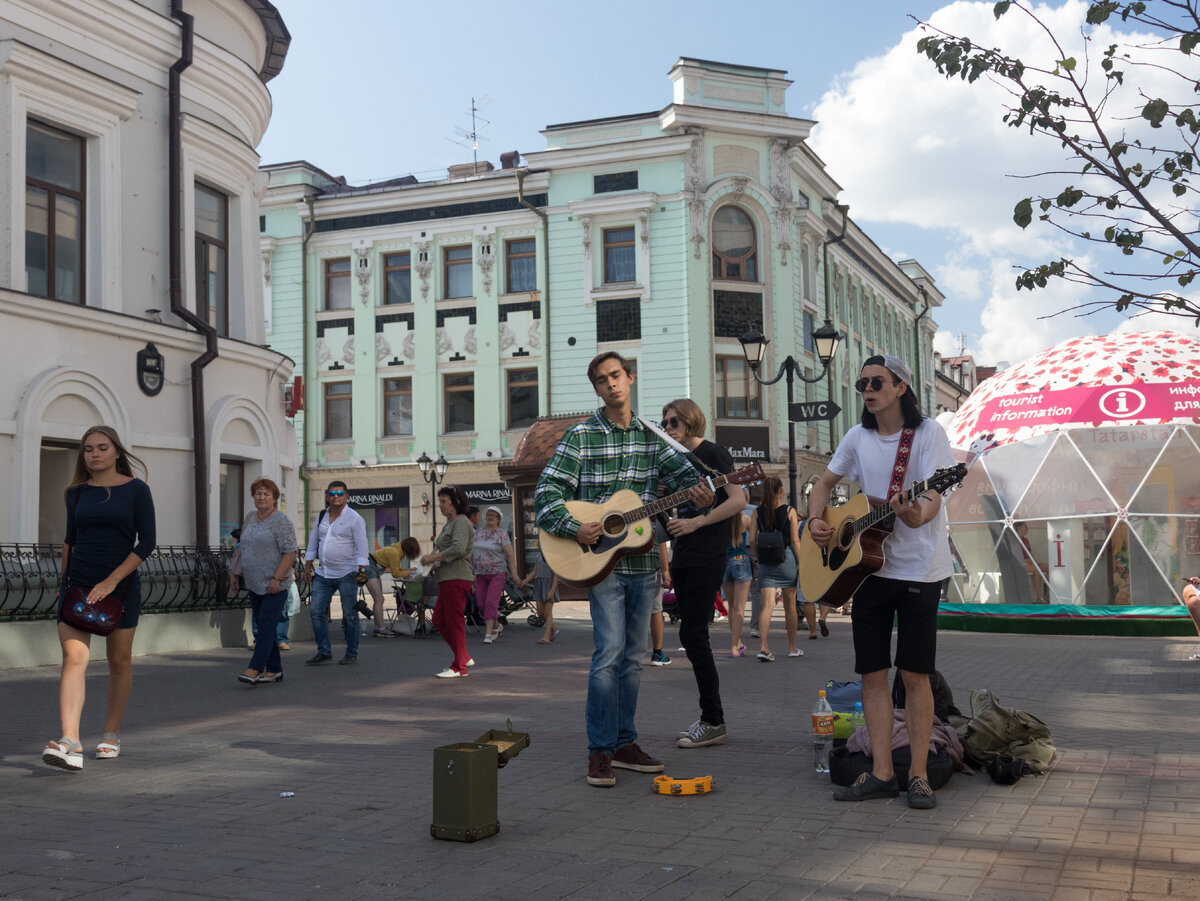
55,76
428,194
613,203
606,154
738,122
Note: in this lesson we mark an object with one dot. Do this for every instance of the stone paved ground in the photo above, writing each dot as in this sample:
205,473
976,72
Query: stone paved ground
192,808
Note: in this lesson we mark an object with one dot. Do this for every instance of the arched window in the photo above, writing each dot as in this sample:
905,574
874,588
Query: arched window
734,246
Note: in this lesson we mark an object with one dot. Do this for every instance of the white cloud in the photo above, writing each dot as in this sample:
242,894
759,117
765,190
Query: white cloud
915,148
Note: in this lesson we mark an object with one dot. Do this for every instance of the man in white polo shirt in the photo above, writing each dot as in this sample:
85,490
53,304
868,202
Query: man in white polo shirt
339,542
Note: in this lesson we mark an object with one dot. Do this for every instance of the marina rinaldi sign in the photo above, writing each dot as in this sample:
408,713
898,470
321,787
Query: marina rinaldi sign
1149,401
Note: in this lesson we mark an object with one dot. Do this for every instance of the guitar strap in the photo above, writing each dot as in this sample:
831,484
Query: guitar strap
692,458
900,468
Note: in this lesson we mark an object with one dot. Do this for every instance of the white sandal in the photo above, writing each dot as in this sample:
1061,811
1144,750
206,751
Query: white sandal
109,747
64,754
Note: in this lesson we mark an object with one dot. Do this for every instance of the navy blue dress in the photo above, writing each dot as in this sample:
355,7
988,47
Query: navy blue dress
106,526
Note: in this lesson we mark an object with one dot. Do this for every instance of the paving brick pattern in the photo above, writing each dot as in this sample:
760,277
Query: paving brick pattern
192,808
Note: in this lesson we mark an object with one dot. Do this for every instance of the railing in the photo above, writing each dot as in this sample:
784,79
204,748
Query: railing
174,578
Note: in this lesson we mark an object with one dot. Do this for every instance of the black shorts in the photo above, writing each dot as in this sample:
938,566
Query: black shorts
914,607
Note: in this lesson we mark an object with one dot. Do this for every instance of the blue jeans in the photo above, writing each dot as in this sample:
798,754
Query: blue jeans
267,610
620,608
322,594
281,630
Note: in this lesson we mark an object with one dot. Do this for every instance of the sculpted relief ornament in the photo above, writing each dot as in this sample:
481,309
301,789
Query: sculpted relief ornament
696,184
781,192
362,271
486,261
423,267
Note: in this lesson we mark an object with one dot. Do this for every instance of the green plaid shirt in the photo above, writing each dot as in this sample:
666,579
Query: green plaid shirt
596,459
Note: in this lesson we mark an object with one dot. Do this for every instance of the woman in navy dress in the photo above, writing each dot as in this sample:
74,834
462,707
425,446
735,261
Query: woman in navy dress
110,531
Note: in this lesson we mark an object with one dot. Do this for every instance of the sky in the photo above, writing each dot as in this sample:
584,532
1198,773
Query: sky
374,89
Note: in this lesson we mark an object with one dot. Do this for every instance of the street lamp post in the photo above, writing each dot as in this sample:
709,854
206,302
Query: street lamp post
754,346
433,473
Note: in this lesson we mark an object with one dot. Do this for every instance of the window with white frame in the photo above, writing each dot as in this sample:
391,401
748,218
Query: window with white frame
520,258
619,257
54,212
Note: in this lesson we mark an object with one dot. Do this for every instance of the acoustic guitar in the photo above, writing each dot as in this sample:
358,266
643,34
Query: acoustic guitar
831,574
626,529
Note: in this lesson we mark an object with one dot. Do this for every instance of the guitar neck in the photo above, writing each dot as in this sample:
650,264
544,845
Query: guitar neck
666,503
883,514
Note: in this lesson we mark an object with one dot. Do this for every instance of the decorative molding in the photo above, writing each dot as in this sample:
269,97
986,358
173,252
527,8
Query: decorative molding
362,269
740,183
266,266
644,227
695,182
781,189
696,214
348,351
487,260
423,267
383,349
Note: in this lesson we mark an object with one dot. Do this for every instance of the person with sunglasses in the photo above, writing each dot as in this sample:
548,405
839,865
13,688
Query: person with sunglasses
339,542
699,540
909,584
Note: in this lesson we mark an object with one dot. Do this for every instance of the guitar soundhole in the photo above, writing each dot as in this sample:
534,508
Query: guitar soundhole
614,524
846,533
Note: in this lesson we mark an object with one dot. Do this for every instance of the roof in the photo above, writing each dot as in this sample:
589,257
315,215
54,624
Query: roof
538,444
278,38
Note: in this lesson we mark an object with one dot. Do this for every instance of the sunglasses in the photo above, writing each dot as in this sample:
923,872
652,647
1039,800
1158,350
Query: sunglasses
875,383
337,492
672,423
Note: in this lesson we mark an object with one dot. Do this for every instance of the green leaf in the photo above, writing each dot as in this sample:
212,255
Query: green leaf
1179,190
1001,8
1068,63
1155,111
1023,212
1188,42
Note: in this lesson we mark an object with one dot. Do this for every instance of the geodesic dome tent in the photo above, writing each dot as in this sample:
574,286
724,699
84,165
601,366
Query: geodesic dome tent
1084,478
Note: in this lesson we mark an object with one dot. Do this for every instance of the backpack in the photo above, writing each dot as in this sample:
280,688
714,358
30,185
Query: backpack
943,697
772,549
994,729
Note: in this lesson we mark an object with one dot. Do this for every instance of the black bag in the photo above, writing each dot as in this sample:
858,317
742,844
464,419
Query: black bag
943,697
845,767
771,547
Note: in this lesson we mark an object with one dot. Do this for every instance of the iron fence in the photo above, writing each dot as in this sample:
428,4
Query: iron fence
173,578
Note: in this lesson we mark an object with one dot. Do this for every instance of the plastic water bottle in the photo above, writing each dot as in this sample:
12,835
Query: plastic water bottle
822,733
857,718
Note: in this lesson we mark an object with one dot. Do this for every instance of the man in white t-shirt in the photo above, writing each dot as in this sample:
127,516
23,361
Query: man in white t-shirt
908,585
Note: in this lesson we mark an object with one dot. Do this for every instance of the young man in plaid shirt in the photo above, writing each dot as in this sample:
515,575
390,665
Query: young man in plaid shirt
609,452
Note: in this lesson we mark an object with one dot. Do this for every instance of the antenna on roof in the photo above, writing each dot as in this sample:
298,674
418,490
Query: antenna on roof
471,138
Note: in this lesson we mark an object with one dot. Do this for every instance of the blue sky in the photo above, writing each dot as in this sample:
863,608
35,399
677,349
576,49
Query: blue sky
373,89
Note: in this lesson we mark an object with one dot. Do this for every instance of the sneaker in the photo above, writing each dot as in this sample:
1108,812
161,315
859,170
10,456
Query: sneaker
448,673
284,646
701,735
499,628
824,629
920,795
754,633
632,757
318,658
470,661
659,658
488,639
688,731
866,787
384,633
600,771
346,661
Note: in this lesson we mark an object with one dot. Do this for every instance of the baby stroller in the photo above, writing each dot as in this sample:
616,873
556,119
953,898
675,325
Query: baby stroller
513,599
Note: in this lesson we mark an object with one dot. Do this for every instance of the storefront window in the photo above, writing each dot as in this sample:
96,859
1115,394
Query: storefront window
386,513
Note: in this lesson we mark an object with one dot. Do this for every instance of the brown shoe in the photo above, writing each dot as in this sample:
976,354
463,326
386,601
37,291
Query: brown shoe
600,770
631,757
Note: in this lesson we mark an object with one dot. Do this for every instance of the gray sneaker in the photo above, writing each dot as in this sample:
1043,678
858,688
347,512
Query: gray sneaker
688,731
701,735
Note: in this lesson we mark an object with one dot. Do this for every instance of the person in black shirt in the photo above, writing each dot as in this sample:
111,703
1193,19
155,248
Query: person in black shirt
110,531
699,540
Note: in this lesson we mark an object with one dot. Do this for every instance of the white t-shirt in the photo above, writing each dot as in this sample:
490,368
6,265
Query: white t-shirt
915,555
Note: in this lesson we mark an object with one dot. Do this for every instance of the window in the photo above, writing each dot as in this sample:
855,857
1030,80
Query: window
615,181
619,263
736,312
337,284
734,248
458,271
806,272
807,319
869,316
459,397
397,275
522,397
339,411
397,407
521,258
619,319
54,213
739,394
212,258
232,503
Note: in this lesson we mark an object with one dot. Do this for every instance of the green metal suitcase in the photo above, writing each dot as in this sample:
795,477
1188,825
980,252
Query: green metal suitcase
464,792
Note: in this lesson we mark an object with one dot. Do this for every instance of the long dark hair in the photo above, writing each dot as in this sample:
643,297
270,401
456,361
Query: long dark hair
457,498
125,460
909,408
772,499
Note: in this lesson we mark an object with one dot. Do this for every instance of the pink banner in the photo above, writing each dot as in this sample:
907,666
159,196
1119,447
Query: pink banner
1144,402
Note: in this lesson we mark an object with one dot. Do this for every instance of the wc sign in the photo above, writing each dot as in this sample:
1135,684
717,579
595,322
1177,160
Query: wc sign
1122,403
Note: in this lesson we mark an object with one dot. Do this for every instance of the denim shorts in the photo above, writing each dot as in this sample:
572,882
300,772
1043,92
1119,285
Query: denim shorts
737,569
374,570
778,575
